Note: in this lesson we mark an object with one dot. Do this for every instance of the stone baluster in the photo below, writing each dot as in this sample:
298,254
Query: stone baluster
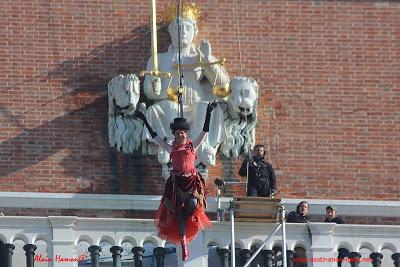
95,255
116,255
396,259
138,256
1,253
30,254
289,257
343,253
223,254
244,255
267,256
354,259
6,254
376,259
159,253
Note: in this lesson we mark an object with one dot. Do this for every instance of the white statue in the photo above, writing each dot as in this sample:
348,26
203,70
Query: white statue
204,79
199,79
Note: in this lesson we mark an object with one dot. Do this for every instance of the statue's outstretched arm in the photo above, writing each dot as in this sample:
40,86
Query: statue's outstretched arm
147,84
215,73
152,84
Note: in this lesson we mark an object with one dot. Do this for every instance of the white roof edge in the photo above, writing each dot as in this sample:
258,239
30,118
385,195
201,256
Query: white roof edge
151,202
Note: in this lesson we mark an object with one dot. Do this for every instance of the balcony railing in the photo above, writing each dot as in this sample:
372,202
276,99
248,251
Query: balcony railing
72,241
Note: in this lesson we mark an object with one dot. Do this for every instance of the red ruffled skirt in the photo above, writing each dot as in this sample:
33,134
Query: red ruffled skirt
177,190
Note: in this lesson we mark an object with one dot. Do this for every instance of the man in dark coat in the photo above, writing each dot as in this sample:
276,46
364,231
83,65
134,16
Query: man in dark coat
331,216
261,176
300,215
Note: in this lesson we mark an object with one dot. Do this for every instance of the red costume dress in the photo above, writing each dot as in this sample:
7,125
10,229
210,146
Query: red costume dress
183,183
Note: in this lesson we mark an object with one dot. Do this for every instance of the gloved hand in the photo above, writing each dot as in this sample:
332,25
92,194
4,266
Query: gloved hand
141,116
210,107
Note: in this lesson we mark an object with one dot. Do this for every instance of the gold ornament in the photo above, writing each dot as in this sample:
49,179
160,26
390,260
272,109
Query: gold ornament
222,90
172,94
189,11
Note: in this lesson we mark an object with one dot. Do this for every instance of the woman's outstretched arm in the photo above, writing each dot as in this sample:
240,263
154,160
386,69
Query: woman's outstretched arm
167,147
206,127
199,139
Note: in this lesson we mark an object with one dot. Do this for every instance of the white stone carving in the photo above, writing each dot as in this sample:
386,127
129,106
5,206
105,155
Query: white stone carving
232,122
124,131
241,122
198,82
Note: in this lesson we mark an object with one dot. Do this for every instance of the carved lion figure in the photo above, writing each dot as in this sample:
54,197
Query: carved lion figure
242,109
124,131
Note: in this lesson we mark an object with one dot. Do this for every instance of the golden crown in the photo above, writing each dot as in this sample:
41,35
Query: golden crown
189,11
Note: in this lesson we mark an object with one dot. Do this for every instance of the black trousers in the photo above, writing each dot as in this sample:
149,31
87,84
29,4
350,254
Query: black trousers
189,207
254,191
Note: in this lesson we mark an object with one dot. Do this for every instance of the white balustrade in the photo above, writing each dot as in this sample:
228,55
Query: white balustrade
61,237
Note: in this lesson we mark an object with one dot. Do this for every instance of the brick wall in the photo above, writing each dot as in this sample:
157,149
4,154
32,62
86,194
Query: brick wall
329,110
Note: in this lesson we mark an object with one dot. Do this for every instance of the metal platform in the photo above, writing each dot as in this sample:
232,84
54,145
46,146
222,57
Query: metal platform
256,209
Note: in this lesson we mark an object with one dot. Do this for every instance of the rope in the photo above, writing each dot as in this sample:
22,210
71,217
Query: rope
180,72
237,35
240,58
240,47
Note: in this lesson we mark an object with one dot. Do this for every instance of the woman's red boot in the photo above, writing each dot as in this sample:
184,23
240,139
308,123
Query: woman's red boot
185,250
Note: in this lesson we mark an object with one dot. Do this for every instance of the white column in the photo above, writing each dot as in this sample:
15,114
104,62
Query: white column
322,246
63,240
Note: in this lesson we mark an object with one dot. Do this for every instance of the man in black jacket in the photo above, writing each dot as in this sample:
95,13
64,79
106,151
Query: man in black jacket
300,215
331,216
261,176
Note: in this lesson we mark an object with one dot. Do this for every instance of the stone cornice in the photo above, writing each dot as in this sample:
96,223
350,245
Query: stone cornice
151,202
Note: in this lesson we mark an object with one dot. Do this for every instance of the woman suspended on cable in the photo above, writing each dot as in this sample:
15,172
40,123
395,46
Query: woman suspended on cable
182,209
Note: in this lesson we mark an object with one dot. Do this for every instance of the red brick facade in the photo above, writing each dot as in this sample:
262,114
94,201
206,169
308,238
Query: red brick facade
329,109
